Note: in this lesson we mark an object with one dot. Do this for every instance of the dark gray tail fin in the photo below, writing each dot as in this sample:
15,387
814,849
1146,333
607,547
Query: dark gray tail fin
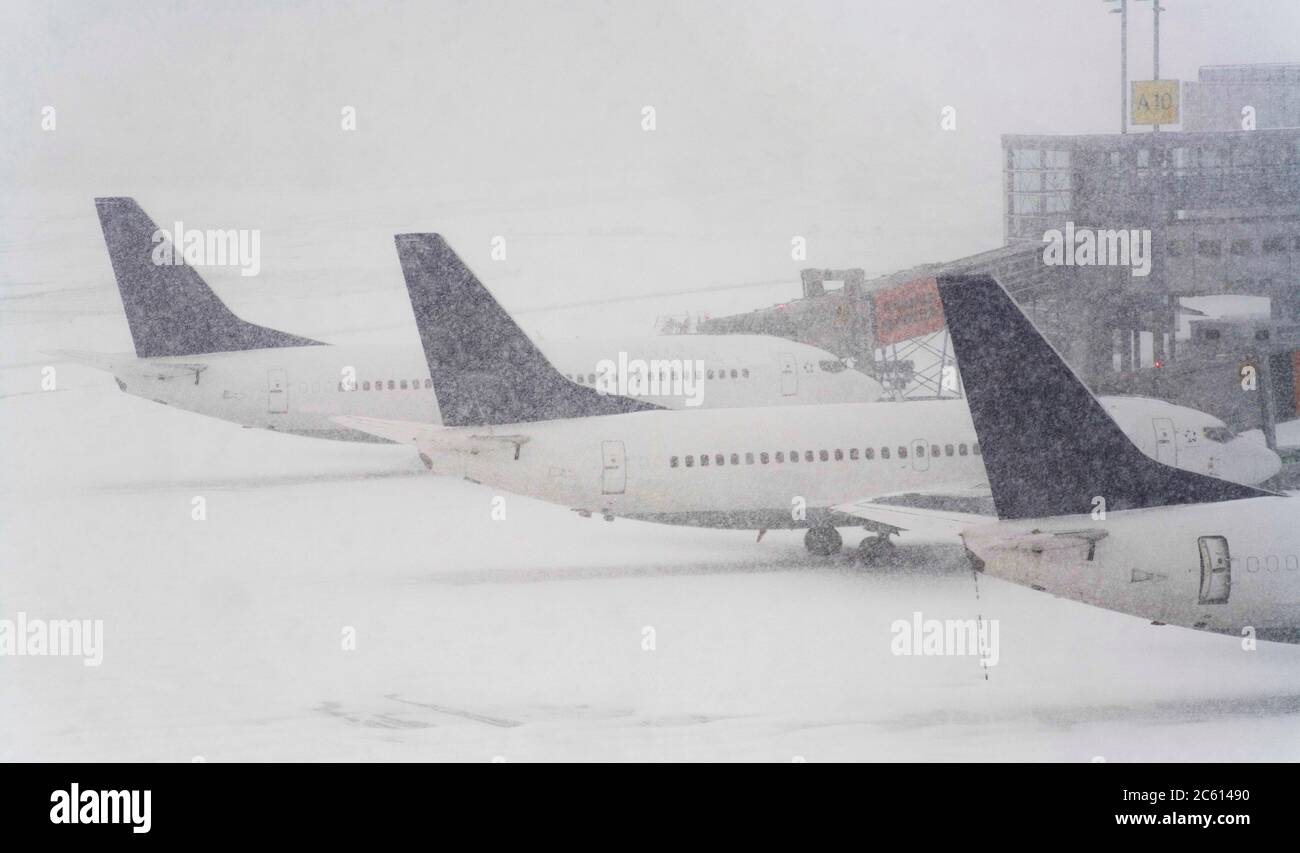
485,369
170,309
1049,446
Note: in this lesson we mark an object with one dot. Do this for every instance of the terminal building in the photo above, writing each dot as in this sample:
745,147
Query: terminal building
1220,206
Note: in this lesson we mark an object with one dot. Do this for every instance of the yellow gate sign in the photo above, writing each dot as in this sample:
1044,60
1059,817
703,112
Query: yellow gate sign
1154,102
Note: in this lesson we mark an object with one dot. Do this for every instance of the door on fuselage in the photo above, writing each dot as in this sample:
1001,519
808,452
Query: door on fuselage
920,459
1166,450
1216,570
613,477
789,374
277,387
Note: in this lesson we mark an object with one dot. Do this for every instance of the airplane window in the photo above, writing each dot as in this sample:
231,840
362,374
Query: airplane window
884,453
403,385
672,462
794,456
720,459
428,383
947,450
749,459
961,450
1222,435
704,459
808,456
690,461
975,448
902,452
735,459
745,373
920,450
391,385
762,457
733,374
780,456
869,453
853,453
823,455
710,374
365,386
833,365
934,450
839,455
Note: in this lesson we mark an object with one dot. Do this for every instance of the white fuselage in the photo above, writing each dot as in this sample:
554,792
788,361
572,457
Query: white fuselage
1222,567
298,389
729,467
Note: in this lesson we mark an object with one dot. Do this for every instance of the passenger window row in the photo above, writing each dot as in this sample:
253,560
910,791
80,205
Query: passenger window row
666,376
795,456
393,385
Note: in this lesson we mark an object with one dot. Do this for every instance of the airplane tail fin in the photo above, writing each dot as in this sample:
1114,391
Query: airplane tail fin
169,307
485,370
1049,446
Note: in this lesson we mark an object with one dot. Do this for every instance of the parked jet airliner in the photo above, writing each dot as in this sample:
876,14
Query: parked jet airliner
511,421
1086,516
192,352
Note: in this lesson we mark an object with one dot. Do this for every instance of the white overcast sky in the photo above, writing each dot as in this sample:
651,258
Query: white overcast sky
773,118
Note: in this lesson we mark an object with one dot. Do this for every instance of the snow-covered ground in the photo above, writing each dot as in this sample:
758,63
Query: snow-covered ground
523,638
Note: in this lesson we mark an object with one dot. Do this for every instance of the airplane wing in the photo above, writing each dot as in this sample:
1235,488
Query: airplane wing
944,512
121,364
433,438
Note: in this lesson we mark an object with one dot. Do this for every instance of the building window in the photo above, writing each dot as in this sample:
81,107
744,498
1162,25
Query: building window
1275,245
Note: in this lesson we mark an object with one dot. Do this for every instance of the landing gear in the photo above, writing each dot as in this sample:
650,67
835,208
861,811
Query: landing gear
823,541
876,549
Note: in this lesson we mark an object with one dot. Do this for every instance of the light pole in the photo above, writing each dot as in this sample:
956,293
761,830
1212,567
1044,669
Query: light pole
1156,9
1122,11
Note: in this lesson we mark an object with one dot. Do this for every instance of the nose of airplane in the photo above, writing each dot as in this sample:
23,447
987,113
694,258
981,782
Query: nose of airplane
1257,462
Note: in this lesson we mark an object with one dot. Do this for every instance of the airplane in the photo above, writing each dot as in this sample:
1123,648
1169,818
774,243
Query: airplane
513,422
1083,514
193,353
